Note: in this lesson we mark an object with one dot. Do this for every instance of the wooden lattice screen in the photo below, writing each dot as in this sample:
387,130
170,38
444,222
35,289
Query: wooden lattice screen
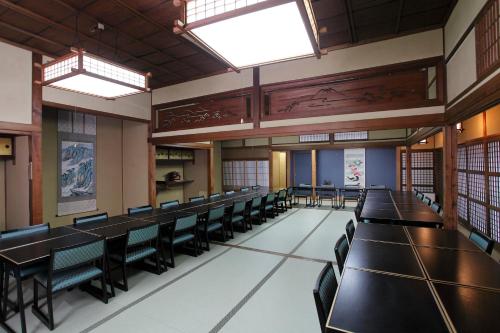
488,39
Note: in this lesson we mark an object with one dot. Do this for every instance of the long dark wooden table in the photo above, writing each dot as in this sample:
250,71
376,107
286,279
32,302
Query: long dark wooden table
398,207
408,279
35,248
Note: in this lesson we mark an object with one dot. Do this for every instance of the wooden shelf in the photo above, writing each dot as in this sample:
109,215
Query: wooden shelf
165,185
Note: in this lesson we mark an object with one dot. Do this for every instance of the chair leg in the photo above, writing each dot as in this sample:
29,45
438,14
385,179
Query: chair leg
157,259
124,276
5,293
50,309
172,260
223,233
20,300
104,287
108,272
207,241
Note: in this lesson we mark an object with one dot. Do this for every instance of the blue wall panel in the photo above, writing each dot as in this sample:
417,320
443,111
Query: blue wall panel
330,164
380,166
302,167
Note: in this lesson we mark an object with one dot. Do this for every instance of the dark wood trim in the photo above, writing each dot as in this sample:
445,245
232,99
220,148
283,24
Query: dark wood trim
92,112
465,34
364,144
409,180
436,119
211,171
422,134
256,97
271,174
35,144
486,96
151,170
450,176
350,20
400,13
18,128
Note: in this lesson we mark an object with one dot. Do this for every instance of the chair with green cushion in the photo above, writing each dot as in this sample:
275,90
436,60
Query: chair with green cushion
341,250
69,267
289,197
182,231
169,204
197,199
255,211
420,196
436,207
236,216
427,201
228,192
280,203
349,230
482,241
324,293
91,218
244,189
140,210
22,273
141,243
268,206
214,196
213,223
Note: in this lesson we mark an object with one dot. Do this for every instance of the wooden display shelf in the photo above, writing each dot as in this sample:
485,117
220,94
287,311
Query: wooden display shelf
165,185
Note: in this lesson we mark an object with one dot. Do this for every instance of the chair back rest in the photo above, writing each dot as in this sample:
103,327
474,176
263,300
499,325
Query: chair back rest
186,222
482,241
427,201
436,207
324,293
214,196
140,235
420,196
229,192
25,231
196,199
77,255
169,204
139,210
216,213
282,195
238,207
289,191
244,189
341,250
256,202
349,230
255,187
270,198
91,218
377,187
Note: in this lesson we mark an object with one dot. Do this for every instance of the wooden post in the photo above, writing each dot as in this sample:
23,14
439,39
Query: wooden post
450,176
288,168
35,143
256,98
271,174
409,182
211,170
313,171
152,174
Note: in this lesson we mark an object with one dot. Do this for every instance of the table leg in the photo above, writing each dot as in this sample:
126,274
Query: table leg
20,298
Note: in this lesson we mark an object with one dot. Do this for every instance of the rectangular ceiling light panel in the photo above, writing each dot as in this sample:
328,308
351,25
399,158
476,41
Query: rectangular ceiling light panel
84,73
260,33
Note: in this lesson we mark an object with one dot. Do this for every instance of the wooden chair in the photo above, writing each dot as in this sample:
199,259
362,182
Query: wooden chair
482,241
341,250
324,293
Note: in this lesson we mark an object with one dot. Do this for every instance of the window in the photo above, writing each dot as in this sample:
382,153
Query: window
479,186
350,136
314,138
245,173
488,38
422,171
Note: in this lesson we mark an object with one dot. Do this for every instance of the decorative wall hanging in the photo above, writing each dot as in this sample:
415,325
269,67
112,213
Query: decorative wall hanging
76,163
354,167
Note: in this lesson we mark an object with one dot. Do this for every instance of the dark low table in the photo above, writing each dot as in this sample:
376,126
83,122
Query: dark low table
440,238
380,232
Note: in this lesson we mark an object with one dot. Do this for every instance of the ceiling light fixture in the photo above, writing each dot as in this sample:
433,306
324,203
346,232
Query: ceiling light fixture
247,33
89,74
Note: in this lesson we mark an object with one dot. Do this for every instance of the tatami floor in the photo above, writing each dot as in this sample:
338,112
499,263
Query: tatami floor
261,281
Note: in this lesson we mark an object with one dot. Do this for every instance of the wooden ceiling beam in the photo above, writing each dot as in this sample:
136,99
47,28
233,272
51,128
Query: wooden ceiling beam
127,35
28,13
400,13
350,20
161,27
31,34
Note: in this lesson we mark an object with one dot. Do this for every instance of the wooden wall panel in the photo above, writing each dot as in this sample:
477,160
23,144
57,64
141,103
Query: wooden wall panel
214,110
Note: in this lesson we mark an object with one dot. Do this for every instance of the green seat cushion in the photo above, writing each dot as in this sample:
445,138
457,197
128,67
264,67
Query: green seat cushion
135,255
69,278
211,227
179,239
254,212
269,207
236,219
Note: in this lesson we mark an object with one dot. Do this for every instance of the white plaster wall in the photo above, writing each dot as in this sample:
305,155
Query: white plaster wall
463,14
15,84
461,69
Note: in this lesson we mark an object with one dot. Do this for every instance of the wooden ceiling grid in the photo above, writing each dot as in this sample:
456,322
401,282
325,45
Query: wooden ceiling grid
138,33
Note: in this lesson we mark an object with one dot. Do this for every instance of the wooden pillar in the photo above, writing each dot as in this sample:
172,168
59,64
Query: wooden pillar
271,174
288,168
313,171
409,181
450,176
35,143
211,170
256,98
152,174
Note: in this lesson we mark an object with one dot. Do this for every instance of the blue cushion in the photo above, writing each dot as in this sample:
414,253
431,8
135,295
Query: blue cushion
142,235
212,227
140,254
24,231
479,240
93,218
169,204
179,239
236,219
254,212
69,278
138,210
269,207
196,199
215,213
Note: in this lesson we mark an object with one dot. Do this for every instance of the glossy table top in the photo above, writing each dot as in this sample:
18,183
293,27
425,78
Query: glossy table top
40,236
381,232
374,302
440,238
